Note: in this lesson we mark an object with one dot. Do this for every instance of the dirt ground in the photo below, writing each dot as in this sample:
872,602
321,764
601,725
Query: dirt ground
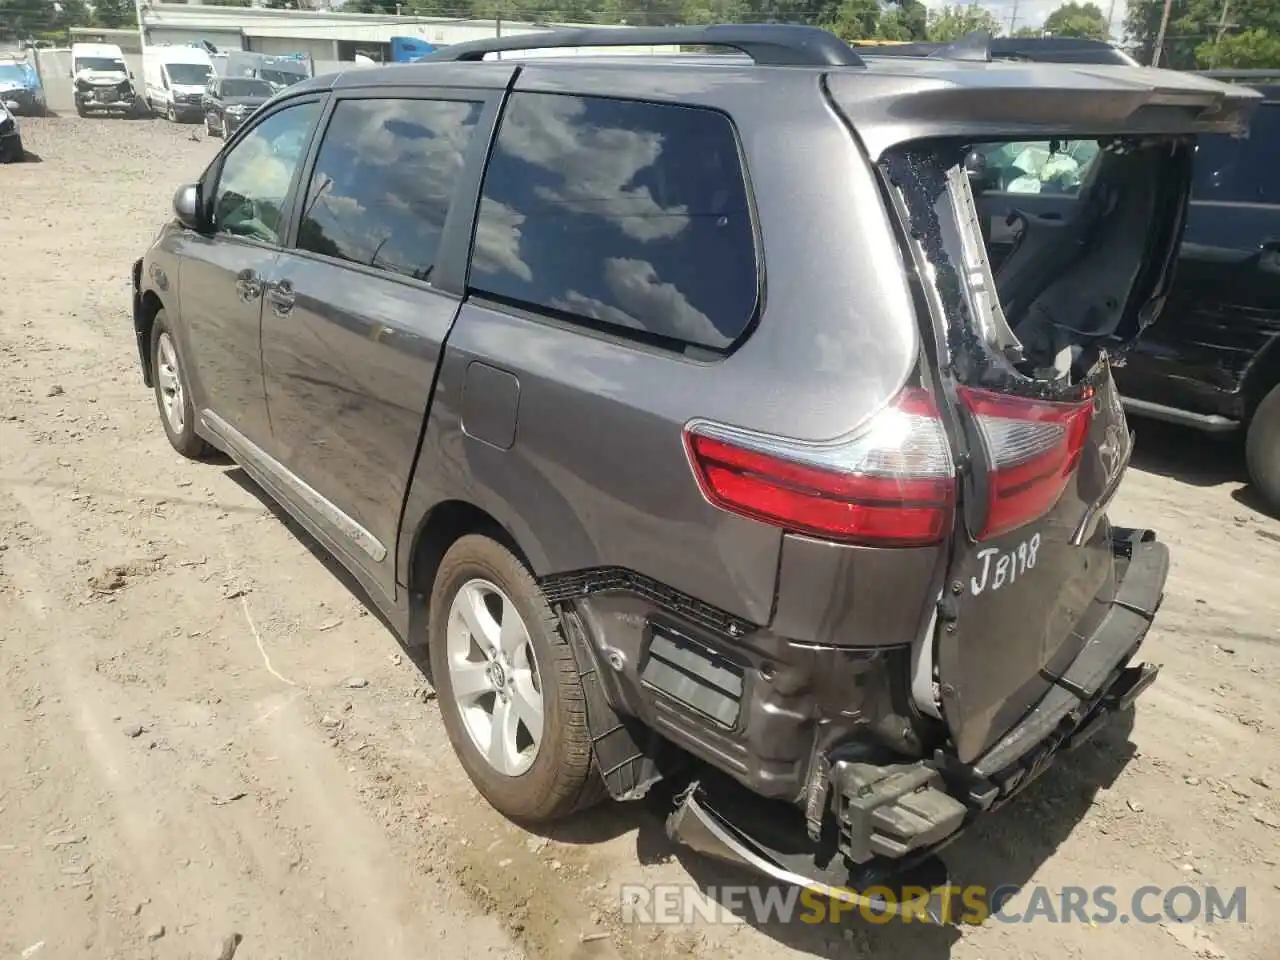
205,734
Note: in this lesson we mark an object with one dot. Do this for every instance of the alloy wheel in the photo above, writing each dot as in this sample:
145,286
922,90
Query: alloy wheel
171,394
494,677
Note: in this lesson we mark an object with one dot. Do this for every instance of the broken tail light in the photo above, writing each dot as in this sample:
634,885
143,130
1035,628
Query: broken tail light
1033,447
891,483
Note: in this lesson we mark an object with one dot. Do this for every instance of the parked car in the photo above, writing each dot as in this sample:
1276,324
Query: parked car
11,150
1212,363
102,81
228,102
685,446
20,89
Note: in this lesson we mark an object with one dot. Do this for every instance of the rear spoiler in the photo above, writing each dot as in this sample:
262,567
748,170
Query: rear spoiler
980,46
1029,101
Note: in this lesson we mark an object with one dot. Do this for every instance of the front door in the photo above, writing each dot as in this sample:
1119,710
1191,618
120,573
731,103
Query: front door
354,324
223,273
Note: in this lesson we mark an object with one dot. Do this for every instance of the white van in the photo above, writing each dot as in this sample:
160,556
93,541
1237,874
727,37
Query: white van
100,78
175,79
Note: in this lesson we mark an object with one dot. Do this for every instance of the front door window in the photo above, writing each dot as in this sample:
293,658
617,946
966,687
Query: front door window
249,198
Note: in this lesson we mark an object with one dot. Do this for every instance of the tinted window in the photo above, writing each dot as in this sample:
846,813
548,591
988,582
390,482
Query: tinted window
257,173
1233,170
621,213
384,178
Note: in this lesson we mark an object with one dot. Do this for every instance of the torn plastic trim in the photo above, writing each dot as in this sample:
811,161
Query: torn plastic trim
979,279
695,824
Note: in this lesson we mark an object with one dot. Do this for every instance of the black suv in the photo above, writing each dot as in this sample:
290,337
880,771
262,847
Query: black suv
678,407
1213,361
228,102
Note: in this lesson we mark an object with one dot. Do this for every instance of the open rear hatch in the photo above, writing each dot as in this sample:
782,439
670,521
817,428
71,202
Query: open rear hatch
1039,255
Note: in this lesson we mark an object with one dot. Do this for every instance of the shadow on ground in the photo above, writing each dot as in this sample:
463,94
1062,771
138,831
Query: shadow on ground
1191,456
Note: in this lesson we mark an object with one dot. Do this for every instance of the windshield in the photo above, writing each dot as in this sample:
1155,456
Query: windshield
103,64
282,77
188,74
246,88
11,71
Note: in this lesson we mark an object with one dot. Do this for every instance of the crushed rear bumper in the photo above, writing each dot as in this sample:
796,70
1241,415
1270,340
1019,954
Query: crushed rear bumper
882,826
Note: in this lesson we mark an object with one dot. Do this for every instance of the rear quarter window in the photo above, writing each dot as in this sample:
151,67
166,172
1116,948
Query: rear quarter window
626,216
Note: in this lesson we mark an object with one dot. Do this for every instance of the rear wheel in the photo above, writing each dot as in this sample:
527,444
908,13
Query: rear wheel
508,684
171,114
1262,450
172,395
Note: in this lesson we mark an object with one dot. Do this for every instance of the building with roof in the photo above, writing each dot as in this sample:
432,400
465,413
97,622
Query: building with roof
329,38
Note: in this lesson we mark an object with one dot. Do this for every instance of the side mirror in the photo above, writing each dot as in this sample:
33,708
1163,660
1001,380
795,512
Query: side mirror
186,206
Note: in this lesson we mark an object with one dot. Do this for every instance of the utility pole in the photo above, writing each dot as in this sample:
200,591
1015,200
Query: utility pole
1222,23
1013,17
1164,26
1111,18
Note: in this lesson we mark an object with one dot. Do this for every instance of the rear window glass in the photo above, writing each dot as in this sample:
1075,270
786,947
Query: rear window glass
619,214
1241,170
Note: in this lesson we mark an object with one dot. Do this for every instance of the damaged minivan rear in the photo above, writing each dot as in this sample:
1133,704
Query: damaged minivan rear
952,608
1037,211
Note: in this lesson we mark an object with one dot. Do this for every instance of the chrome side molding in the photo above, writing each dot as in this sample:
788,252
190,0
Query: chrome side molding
256,460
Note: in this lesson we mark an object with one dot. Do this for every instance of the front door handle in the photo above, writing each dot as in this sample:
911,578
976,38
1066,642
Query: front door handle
248,285
282,297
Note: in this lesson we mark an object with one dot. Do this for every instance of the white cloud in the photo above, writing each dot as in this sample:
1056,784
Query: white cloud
640,295
596,166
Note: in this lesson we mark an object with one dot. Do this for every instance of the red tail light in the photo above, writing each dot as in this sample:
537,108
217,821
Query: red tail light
1033,447
892,483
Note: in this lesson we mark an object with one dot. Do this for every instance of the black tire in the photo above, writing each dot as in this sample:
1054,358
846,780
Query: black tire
562,779
1262,450
209,127
171,113
81,111
185,440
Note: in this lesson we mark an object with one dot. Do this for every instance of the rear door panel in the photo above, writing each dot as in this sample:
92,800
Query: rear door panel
1027,600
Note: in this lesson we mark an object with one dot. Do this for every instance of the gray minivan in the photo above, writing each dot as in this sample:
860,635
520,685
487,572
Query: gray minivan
675,405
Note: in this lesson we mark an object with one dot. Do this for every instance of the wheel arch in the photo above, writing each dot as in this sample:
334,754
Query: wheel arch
1262,376
441,527
150,307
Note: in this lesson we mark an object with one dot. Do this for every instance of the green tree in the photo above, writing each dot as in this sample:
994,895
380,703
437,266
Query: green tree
20,19
856,20
1195,23
1248,49
952,22
114,13
1028,32
713,11
1085,20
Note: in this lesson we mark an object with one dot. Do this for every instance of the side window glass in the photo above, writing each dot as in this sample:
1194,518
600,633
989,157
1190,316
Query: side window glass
619,214
256,174
384,177
1241,170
